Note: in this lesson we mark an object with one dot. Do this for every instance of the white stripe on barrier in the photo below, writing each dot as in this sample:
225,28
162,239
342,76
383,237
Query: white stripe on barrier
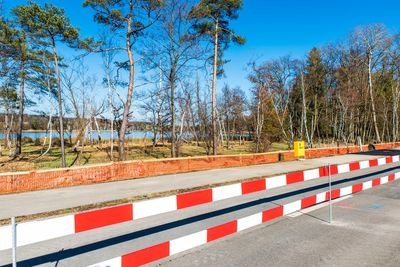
311,174
321,197
396,158
397,175
364,164
228,191
188,242
36,231
346,190
367,185
115,262
249,221
5,237
343,168
276,181
154,206
381,161
384,179
291,207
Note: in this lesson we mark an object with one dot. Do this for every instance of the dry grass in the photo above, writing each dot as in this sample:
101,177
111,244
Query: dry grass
99,153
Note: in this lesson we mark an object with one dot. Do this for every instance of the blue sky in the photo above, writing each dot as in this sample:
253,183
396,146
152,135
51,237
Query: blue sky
274,28
277,28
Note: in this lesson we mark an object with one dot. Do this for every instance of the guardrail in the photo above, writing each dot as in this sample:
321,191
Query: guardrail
184,243
41,230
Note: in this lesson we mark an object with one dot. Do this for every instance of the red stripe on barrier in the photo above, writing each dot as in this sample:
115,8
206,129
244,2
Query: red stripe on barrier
146,255
323,171
221,230
334,170
389,160
294,177
308,201
335,194
272,214
194,198
253,186
103,217
354,166
373,162
357,188
391,177
376,182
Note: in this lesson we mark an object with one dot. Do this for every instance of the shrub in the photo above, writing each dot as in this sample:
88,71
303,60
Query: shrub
37,142
56,142
27,140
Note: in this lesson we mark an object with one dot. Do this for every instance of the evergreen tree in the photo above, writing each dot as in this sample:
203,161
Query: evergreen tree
49,26
315,73
128,19
212,19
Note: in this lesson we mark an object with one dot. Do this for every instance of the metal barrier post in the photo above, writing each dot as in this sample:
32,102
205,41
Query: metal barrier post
14,242
330,193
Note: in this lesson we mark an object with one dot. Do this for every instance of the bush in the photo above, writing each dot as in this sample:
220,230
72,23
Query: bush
37,142
27,140
56,142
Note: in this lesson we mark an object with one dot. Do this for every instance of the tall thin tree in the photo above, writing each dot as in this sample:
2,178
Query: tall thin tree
49,25
212,19
128,19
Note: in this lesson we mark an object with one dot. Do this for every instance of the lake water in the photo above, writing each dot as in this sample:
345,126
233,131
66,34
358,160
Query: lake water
105,135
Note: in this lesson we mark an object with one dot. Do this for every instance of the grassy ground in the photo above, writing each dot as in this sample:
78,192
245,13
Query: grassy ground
99,153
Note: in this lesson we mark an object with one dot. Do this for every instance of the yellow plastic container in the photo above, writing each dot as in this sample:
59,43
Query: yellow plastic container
299,149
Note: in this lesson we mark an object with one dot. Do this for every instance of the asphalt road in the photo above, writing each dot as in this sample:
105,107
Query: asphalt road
301,232
365,232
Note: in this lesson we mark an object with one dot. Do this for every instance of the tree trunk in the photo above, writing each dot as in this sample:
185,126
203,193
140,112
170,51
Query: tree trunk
60,109
214,85
21,109
378,138
304,113
127,105
110,100
173,131
7,126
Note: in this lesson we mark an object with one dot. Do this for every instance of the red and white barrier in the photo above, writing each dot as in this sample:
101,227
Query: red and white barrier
36,231
169,248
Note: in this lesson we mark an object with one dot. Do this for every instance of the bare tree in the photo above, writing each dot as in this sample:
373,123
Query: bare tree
374,40
171,48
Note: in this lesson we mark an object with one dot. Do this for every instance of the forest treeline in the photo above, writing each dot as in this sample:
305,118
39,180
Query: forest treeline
161,60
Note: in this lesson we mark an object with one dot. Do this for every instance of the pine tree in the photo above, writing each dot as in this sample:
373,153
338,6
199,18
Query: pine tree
49,26
128,19
315,79
212,19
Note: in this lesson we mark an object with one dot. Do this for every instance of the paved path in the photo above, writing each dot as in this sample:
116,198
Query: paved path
105,243
56,199
364,232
